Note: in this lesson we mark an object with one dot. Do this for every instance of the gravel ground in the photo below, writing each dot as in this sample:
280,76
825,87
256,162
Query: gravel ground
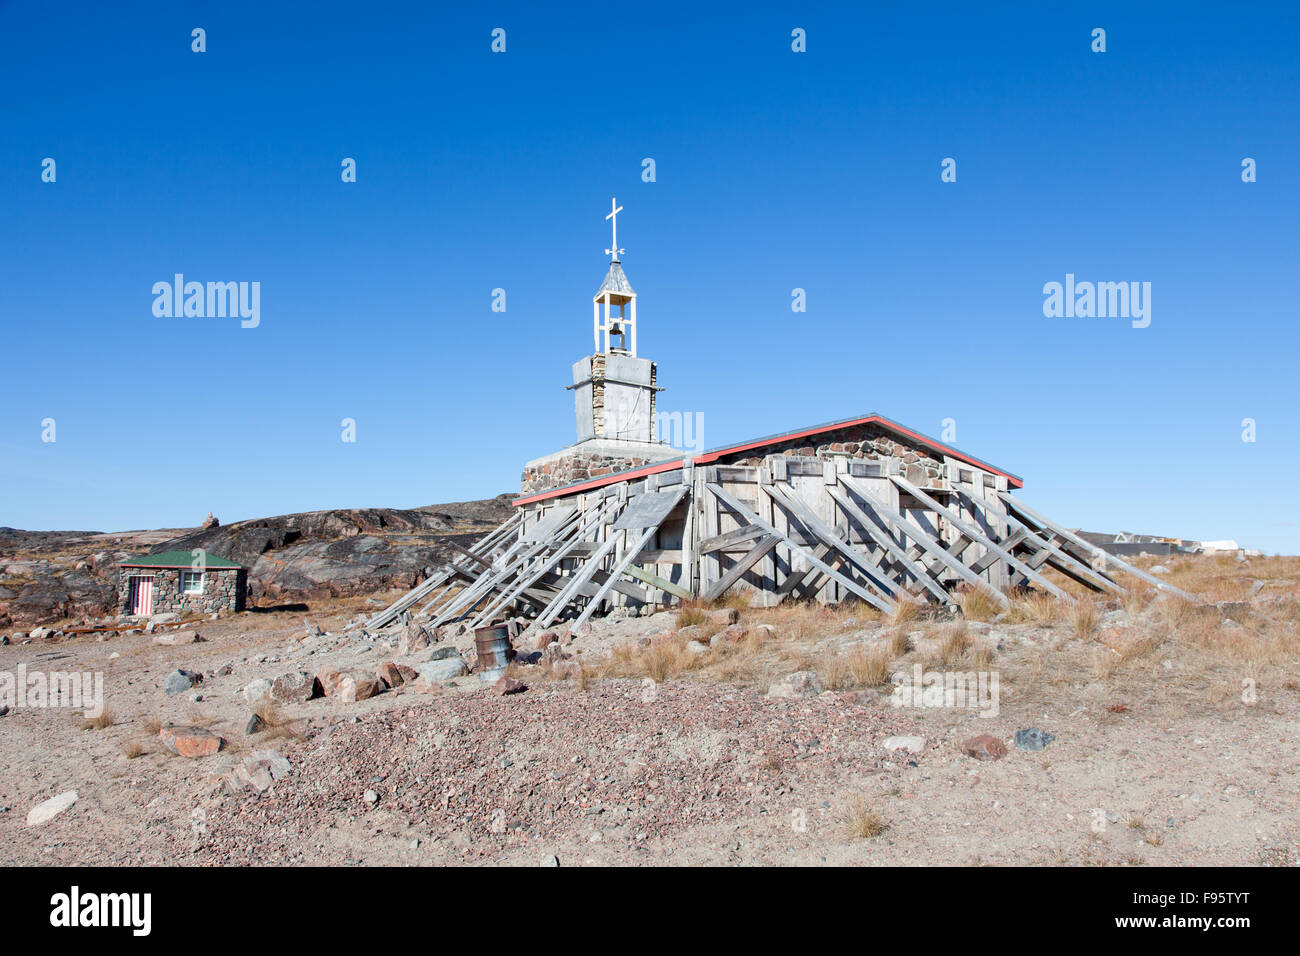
689,771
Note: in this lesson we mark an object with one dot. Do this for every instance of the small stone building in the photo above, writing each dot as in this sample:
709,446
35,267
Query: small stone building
180,581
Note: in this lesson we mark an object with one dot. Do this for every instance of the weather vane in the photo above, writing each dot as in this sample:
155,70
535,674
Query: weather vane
614,210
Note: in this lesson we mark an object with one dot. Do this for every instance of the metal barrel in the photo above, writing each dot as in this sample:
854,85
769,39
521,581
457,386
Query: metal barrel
494,650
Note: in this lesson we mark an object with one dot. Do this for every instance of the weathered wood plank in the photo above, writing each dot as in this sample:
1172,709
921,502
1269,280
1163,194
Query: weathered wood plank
737,570
972,532
1090,549
866,595
923,539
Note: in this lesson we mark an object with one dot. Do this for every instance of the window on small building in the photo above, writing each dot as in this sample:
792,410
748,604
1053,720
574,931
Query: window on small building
191,582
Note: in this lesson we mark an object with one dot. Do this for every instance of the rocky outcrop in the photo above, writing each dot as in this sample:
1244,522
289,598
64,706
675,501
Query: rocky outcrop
52,575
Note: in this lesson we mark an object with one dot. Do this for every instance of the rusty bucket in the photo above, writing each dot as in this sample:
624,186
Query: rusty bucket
494,650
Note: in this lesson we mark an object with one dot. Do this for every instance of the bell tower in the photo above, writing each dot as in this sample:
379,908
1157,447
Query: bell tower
614,293
613,389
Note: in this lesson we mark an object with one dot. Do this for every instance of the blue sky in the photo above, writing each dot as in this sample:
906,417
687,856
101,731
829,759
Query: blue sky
775,170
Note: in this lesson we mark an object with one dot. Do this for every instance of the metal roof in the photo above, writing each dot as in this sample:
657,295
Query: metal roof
709,457
615,281
180,559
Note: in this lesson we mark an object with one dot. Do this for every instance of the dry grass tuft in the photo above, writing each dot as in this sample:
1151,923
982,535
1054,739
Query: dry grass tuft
857,669
860,821
133,749
898,643
954,640
1084,617
735,598
152,725
976,604
691,617
1035,607
105,719
905,612
278,724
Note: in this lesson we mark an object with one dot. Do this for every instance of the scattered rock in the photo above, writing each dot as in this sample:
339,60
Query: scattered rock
190,742
554,653
179,681
177,638
508,685
353,686
391,674
798,684
313,630
984,747
255,725
550,861
1233,610
443,669
1033,739
257,691
444,654
1159,569
257,772
371,797
414,639
293,687
51,808
913,744
724,616
545,639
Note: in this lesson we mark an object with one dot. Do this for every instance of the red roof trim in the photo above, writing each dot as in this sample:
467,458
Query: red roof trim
709,457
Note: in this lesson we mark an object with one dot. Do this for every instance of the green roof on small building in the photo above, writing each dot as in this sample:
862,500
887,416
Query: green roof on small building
180,559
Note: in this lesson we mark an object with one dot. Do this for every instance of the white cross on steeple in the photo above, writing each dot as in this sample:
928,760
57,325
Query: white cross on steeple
615,209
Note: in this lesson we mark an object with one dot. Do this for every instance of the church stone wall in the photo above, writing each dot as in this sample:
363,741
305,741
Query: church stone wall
576,467
871,442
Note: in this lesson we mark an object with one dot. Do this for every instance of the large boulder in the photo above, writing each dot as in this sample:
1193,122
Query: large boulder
444,669
349,686
294,687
